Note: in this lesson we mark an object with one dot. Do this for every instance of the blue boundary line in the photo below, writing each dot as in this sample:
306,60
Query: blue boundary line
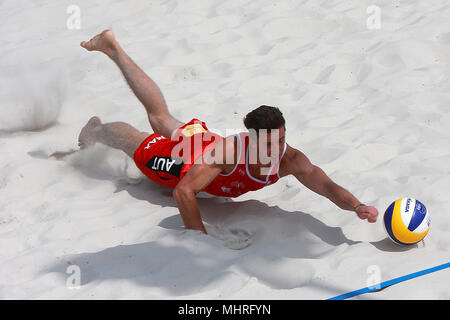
390,282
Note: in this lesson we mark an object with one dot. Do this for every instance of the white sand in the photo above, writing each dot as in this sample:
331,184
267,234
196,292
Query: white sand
370,107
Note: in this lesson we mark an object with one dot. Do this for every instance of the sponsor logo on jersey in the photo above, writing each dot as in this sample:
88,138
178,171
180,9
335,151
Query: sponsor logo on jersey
225,189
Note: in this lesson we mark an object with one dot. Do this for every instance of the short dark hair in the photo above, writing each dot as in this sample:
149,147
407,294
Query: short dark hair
264,117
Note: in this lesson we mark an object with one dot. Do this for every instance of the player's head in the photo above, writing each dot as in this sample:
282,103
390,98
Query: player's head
266,125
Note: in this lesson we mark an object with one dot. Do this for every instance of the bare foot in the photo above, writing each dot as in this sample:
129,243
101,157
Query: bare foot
87,137
104,42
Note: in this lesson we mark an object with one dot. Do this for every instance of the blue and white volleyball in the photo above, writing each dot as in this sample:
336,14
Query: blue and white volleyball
407,221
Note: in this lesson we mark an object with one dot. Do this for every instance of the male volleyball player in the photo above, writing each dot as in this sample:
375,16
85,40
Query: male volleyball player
190,158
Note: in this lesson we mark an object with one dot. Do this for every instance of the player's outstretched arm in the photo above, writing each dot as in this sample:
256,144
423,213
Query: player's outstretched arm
316,180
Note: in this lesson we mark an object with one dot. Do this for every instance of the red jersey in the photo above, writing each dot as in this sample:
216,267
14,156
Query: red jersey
166,160
239,180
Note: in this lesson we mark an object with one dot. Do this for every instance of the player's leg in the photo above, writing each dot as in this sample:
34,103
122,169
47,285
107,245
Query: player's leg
118,135
141,84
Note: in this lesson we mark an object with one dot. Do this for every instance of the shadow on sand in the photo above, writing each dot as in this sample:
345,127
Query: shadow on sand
181,271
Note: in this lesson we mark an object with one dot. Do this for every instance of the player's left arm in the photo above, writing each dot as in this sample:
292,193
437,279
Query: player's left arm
317,180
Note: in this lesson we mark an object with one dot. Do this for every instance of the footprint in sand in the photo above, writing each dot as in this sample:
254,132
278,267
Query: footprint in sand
233,238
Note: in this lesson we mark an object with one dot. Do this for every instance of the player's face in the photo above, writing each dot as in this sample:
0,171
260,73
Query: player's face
275,139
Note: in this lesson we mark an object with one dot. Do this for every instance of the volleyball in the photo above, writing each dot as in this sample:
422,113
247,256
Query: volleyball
406,221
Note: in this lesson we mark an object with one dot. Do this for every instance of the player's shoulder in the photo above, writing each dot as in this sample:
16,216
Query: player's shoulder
290,154
293,160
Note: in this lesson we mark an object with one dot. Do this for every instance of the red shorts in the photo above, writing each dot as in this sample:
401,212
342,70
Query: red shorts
166,160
